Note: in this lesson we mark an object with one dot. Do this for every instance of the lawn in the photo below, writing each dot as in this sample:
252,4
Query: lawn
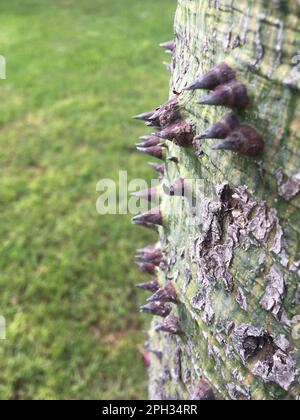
76,70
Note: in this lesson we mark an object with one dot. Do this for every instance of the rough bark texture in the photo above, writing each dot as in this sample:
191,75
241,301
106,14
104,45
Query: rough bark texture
237,272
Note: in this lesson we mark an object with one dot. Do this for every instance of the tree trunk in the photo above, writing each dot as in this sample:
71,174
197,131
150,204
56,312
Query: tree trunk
236,271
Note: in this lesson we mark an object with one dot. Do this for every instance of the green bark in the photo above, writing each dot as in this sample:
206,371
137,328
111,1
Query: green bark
259,39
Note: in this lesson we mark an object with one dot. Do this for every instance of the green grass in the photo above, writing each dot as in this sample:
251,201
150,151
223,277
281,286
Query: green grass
75,71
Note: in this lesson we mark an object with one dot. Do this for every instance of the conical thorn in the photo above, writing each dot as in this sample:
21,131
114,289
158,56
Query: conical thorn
151,286
245,140
155,151
160,168
166,293
221,129
143,117
219,75
150,194
171,324
157,308
233,95
147,268
154,216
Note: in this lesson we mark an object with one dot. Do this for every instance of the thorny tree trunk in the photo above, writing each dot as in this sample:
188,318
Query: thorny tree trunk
237,274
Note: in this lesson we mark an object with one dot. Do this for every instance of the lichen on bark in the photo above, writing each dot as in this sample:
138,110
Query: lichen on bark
237,272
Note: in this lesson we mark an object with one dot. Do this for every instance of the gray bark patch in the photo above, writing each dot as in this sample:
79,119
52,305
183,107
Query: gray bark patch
275,293
273,362
235,220
280,368
241,299
248,340
236,392
289,188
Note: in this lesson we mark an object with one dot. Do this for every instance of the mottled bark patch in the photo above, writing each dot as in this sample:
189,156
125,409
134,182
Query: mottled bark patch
275,293
177,364
257,224
249,340
279,368
157,353
203,392
263,224
241,299
187,277
272,361
213,256
198,302
290,188
236,392
236,220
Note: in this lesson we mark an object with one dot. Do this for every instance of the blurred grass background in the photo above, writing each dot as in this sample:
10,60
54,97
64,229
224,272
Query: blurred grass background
76,71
